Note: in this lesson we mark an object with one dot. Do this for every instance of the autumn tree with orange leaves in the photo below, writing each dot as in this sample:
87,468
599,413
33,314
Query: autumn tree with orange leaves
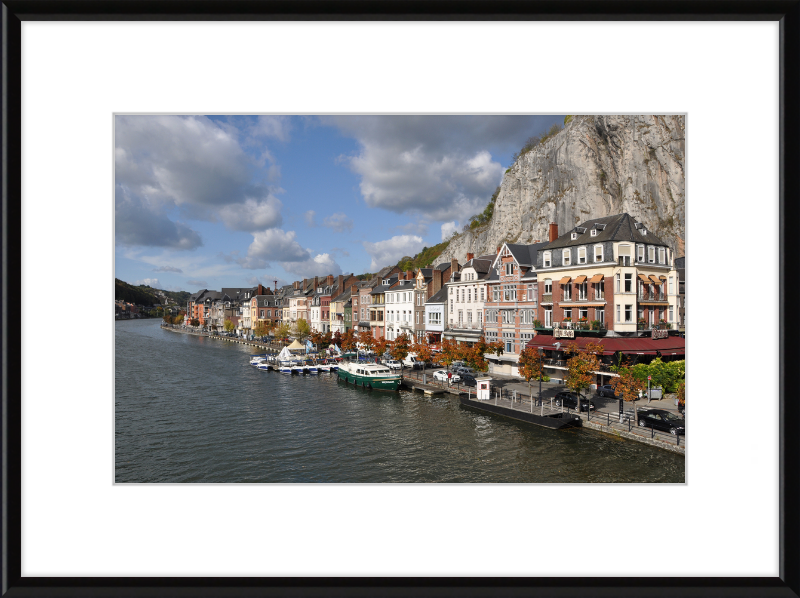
583,364
531,366
399,347
381,344
450,351
423,351
348,341
629,387
366,340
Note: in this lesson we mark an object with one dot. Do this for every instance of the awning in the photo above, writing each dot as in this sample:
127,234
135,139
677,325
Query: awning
580,280
655,279
596,278
564,280
644,278
672,345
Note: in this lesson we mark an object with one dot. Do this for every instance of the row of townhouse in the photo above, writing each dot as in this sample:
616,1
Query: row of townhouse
608,277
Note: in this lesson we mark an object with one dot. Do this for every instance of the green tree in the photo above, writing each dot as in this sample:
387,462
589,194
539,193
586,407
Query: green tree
302,329
260,329
229,326
283,331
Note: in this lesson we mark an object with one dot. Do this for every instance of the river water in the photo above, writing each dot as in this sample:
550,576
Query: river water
191,409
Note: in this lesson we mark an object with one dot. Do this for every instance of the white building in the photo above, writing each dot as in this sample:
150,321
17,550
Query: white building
434,316
466,295
399,308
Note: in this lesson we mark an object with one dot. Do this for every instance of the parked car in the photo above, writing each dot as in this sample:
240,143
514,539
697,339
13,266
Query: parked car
393,364
441,376
572,399
606,391
468,379
462,369
661,419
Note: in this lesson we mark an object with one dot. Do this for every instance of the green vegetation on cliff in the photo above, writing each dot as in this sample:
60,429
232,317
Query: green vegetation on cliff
141,295
424,258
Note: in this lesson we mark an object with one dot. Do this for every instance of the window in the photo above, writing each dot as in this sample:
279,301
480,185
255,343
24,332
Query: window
481,293
651,254
628,282
618,320
460,316
508,317
599,314
548,286
598,253
582,290
583,312
670,314
566,255
451,306
640,253
262,313
582,254
495,294
469,316
624,253
598,290
546,259
662,255
671,286
469,296
548,317
594,232
628,313
567,292
567,314
480,317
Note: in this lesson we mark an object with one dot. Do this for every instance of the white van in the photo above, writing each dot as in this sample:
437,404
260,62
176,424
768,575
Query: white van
410,360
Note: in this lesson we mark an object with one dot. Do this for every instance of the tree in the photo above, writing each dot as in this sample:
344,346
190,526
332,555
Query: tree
229,326
628,387
260,329
450,351
167,318
336,338
682,395
366,340
380,346
194,322
423,351
283,331
581,367
179,318
327,339
530,366
302,329
348,340
400,347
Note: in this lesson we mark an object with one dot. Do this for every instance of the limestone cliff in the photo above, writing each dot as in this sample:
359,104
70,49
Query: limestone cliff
597,166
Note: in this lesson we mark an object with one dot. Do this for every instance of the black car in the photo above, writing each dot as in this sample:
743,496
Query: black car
468,379
570,399
661,419
606,391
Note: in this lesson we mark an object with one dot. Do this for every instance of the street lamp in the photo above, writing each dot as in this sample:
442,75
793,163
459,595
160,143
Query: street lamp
541,375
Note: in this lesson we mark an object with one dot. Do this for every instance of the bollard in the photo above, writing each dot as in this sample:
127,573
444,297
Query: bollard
608,419
652,432
678,438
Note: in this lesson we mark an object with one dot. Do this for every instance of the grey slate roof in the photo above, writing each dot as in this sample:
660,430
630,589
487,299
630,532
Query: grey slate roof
680,262
439,297
620,227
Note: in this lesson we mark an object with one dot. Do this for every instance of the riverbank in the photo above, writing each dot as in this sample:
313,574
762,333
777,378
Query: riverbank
605,419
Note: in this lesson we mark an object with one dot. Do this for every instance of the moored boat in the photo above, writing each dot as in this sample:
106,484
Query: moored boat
374,376
285,367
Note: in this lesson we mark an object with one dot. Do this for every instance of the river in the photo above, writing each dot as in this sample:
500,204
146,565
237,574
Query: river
192,409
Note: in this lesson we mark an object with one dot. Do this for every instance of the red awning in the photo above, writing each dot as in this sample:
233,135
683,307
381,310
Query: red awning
672,345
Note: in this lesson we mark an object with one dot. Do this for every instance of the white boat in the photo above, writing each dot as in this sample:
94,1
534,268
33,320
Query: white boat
285,367
312,369
257,359
298,368
324,368
264,365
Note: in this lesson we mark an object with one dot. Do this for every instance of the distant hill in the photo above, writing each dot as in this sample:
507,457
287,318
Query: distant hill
145,295
424,258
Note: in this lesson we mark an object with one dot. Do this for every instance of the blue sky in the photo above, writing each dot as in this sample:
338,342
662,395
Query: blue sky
228,201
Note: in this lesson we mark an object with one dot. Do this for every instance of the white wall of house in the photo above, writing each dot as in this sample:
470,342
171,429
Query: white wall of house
465,301
399,316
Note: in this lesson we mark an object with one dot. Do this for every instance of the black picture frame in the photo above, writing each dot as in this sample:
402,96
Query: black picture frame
787,13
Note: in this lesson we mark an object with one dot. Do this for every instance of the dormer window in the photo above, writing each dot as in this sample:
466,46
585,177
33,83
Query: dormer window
662,256
581,255
573,236
598,253
566,257
580,230
546,257
651,254
509,269
594,232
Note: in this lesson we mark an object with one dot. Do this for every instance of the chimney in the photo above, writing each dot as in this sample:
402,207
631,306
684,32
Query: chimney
453,266
470,256
436,283
409,275
296,284
354,290
305,283
329,280
553,231
316,283
340,283
276,286
498,248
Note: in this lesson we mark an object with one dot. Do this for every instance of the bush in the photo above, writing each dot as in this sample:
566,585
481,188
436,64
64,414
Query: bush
567,118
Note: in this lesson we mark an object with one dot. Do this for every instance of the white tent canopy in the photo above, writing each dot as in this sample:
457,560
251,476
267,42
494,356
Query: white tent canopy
284,354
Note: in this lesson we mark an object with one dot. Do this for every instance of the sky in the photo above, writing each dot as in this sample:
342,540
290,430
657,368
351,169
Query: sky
231,201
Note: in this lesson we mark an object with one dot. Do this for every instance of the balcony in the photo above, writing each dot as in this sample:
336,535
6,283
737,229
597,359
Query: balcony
464,326
643,325
647,296
547,298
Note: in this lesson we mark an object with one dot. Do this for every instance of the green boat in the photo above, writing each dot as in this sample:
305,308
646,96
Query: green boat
369,375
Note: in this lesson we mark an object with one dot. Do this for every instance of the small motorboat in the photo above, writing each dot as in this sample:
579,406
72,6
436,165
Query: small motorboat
285,367
298,368
312,368
255,360
264,365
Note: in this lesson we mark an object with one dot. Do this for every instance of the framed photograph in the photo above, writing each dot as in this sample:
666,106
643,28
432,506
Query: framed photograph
84,85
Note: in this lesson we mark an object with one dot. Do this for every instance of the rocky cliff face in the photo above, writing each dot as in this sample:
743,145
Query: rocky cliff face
597,166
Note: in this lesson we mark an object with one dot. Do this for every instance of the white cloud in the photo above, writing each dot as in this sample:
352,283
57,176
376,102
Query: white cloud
448,228
277,127
273,244
389,252
338,222
151,282
196,165
198,283
309,218
168,269
252,214
320,265
437,166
